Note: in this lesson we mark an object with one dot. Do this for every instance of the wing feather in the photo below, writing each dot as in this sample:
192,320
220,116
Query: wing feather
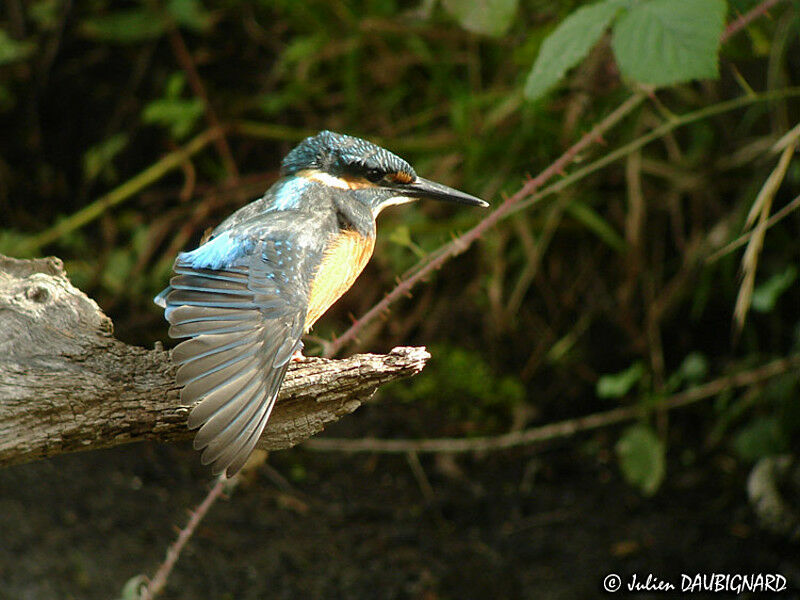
242,324
236,454
216,395
210,327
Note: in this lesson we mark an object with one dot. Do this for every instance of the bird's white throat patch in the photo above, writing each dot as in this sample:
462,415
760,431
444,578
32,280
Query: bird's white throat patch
393,201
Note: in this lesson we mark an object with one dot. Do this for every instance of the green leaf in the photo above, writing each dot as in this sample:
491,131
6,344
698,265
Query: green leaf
178,115
401,235
693,370
694,367
662,42
99,157
762,437
7,99
12,50
133,588
766,295
595,223
641,458
190,13
300,49
46,13
568,45
172,111
619,384
488,17
125,26
175,85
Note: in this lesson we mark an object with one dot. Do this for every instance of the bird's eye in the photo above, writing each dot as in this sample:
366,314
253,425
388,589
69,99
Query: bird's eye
374,175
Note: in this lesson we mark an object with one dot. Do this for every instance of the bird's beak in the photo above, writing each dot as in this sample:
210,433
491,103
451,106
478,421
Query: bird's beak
425,188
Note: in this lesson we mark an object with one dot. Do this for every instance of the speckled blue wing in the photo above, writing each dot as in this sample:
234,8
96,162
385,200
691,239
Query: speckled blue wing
242,305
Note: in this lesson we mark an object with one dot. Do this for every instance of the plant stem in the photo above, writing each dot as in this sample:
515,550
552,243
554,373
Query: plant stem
527,195
657,133
515,202
119,194
560,429
747,18
159,580
465,240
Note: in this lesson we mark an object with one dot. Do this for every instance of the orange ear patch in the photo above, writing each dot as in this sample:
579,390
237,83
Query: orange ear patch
401,177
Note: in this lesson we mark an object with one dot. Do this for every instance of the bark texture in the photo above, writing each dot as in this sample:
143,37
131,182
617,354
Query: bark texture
66,384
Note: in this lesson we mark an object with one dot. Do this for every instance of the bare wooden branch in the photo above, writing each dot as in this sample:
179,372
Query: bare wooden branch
66,384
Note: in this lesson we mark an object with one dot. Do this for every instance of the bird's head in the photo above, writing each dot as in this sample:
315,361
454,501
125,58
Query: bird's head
378,177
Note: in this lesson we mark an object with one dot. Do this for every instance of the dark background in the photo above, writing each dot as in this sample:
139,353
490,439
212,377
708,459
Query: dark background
609,285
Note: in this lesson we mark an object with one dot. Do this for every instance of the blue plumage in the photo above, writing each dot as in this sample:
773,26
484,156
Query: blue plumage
289,193
218,252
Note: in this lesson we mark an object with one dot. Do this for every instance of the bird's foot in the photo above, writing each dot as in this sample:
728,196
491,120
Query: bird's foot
298,356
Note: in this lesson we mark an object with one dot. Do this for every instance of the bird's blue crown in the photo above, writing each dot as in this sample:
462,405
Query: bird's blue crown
339,154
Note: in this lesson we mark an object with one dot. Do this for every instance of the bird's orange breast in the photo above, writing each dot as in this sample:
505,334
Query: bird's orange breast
345,257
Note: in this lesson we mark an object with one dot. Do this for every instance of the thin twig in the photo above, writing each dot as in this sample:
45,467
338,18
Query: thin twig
528,195
419,474
461,243
657,133
159,580
744,238
744,20
560,429
186,61
465,240
760,213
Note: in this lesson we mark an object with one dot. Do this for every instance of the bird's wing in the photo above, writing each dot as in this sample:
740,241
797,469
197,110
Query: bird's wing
242,304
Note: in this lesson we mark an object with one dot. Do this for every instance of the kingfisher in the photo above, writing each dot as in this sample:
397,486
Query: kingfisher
247,294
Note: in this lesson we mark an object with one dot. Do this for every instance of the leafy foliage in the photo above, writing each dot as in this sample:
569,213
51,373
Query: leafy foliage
489,17
178,114
98,159
624,262
125,26
569,44
12,50
463,384
641,458
663,42
761,437
766,296
135,25
656,42
619,384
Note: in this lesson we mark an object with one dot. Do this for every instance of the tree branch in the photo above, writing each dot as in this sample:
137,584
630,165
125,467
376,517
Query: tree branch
66,384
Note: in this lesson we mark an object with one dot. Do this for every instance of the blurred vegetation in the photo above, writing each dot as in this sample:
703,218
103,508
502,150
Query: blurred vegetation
617,289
